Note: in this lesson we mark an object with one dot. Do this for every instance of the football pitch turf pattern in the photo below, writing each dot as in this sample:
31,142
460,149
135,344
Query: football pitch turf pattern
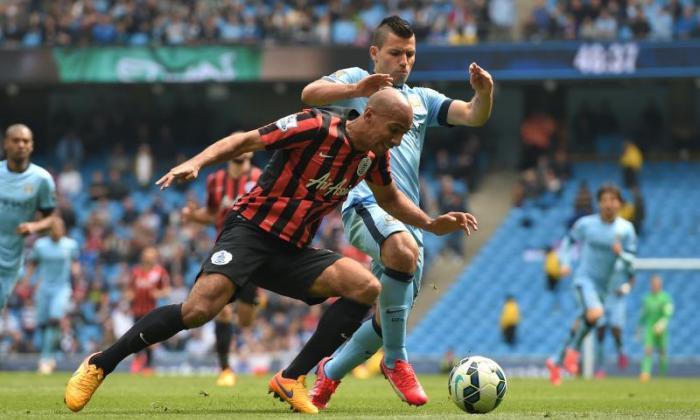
27,395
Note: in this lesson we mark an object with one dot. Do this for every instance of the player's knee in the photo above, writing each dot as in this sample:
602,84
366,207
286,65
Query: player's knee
400,252
593,315
368,292
245,314
196,314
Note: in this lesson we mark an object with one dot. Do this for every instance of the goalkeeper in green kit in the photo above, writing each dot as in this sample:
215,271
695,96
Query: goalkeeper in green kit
657,310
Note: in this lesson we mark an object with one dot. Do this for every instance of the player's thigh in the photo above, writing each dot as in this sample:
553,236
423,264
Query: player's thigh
661,342
246,304
347,278
293,272
368,226
59,303
587,297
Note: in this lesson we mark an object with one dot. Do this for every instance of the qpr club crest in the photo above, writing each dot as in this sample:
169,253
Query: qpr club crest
364,165
221,258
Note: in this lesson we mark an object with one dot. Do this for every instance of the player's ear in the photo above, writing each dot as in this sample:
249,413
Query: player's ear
373,52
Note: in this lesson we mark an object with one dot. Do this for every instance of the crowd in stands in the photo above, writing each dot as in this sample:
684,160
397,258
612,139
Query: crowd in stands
32,23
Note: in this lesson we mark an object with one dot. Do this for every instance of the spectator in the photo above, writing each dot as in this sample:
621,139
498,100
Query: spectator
639,210
116,188
631,162
70,182
510,318
143,166
98,187
70,148
451,200
552,269
536,131
583,203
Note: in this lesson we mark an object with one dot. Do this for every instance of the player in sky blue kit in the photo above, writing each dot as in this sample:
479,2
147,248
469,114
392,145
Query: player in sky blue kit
25,189
396,249
615,306
606,239
54,258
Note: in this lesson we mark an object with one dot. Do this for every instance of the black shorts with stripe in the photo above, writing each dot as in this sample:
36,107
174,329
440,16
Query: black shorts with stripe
249,256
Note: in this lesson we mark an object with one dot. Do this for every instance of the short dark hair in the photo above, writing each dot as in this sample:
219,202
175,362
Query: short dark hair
609,188
393,24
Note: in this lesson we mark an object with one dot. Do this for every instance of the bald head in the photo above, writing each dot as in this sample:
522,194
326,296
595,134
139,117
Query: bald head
391,102
18,145
386,118
19,130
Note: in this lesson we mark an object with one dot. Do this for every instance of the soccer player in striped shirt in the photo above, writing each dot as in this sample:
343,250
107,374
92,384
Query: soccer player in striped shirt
224,187
319,156
396,248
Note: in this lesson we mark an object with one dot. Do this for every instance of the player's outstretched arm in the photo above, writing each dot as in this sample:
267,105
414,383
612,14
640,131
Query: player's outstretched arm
201,215
401,207
221,151
324,92
476,112
44,223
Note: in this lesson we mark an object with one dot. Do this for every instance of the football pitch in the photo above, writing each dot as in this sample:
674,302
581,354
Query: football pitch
27,395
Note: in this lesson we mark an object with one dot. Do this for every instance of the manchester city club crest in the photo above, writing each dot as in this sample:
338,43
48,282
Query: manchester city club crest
28,188
364,165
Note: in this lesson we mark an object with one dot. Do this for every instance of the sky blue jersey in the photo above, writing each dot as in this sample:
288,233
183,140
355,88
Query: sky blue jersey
53,260
429,110
598,261
21,196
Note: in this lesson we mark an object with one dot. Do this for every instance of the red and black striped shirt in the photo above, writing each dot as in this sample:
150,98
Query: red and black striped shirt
313,169
223,190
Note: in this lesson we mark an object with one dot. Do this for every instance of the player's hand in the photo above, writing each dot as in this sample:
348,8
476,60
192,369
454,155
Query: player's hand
26,228
617,248
659,327
565,271
186,213
186,171
480,80
372,83
452,222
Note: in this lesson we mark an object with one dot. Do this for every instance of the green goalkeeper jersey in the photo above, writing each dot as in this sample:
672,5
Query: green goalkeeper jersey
656,307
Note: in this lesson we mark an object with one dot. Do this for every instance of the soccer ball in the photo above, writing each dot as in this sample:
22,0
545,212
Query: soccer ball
477,384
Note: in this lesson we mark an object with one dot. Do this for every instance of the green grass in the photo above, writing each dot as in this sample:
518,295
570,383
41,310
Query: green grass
27,395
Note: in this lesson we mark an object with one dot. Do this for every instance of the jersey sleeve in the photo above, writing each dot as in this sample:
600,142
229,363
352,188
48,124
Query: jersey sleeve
575,234
629,246
75,251
437,105
293,131
212,204
347,76
380,172
47,195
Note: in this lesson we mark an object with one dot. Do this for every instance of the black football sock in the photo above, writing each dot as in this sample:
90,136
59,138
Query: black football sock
336,325
223,332
158,325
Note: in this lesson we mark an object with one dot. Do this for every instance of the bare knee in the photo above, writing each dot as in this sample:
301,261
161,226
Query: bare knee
208,297
593,315
370,292
400,252
245,313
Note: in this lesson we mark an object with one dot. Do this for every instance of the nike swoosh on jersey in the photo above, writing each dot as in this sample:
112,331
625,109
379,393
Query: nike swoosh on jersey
323,155
289,394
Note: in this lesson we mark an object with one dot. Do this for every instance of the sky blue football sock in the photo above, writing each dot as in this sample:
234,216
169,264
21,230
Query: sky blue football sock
48,342
394,303
361,346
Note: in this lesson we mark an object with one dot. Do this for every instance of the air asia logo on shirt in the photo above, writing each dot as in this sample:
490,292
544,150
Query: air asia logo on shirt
364,165
290,121
221,258
325,186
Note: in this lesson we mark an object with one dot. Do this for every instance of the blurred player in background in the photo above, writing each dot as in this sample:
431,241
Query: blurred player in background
657,311
605,238
396,249
615,306
25,189
148,283
54,258
319,156
223,189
